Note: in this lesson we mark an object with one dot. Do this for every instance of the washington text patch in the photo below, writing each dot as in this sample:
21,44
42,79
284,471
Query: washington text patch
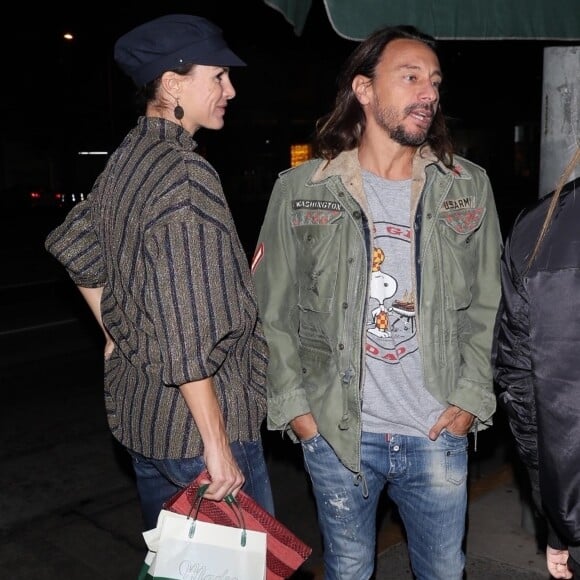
316,204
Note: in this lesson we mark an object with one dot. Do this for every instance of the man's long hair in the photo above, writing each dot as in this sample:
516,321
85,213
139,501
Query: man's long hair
342,128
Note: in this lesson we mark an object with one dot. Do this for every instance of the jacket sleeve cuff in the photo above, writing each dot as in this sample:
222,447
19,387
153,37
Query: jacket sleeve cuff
553,539
476,398
284,408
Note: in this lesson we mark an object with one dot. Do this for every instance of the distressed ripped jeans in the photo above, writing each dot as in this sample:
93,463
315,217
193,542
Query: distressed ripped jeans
427,481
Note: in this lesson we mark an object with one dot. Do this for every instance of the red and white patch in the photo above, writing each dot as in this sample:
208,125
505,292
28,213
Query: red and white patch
258,255
463,221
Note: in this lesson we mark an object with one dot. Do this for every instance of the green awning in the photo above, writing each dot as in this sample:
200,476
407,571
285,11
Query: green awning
446,19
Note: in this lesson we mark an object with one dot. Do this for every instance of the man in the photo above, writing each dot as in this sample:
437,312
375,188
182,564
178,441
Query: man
155,254
377,273
535,354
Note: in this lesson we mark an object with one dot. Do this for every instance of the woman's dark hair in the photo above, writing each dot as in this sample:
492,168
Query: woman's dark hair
342,128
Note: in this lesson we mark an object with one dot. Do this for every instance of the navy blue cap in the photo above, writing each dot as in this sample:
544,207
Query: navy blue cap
171,41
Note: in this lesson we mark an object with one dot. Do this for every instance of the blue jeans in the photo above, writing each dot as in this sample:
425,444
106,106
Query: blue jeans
427,481
159,479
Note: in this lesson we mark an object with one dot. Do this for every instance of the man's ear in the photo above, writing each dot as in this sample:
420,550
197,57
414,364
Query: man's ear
362,88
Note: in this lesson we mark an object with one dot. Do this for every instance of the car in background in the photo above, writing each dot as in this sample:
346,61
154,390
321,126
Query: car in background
44,197
38,198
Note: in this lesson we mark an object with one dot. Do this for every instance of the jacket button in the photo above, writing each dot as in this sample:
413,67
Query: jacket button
429,216
345,305
341,346
356,214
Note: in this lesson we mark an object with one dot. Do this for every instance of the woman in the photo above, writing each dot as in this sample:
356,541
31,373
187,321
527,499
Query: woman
536,359
155,253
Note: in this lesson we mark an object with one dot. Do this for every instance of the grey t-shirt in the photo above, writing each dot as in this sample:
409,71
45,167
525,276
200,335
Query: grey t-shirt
395,399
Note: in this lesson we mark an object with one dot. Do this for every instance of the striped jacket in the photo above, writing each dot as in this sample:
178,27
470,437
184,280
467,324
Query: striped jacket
157,233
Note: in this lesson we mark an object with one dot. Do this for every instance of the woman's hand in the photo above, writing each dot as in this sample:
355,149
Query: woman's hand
557,562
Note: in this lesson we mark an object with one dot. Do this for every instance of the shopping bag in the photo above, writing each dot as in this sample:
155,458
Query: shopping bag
184,548
144,571
285,553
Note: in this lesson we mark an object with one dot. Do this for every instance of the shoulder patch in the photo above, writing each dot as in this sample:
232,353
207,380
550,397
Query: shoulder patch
258,255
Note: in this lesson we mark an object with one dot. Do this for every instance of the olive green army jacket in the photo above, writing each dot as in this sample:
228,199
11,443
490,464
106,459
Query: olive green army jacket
312,268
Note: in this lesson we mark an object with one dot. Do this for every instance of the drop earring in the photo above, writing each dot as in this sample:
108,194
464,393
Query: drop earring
178,111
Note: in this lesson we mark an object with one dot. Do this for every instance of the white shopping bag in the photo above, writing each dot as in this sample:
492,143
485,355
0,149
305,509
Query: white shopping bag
189,549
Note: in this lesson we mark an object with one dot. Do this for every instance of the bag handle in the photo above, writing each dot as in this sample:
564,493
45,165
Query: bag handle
230,500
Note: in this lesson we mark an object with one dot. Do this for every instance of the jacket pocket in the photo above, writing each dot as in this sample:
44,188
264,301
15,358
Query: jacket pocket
457,230
318,259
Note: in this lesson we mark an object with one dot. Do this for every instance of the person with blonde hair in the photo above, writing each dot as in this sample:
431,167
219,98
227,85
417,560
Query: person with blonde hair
535,354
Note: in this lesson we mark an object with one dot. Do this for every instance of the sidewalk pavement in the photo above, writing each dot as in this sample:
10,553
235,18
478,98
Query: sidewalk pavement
98,536
69,508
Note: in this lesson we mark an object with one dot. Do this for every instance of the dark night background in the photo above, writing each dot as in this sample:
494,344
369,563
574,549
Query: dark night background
60,97
68,496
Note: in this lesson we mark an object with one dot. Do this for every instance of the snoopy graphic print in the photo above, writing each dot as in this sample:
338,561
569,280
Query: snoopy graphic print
391,327
394,397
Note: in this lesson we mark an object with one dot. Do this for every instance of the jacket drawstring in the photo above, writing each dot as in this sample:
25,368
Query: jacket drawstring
358,479
475,429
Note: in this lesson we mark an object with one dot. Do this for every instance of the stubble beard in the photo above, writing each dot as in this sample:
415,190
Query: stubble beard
386,118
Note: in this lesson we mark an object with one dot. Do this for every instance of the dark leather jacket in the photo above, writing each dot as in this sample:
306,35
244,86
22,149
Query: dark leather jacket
536,355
